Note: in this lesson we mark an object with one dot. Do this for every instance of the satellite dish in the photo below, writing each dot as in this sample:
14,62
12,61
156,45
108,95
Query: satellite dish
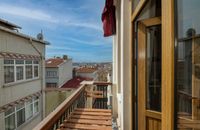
40,36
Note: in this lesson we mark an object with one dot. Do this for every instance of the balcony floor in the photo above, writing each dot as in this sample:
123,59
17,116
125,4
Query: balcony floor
88,119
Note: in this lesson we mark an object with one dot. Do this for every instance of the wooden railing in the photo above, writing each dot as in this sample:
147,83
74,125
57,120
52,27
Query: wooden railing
76,100
63,111
101,103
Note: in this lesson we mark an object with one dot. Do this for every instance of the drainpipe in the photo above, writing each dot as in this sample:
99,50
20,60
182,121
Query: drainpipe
42,58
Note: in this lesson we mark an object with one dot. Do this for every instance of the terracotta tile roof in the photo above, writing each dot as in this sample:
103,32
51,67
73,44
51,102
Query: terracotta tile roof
75,82
86,70
54,62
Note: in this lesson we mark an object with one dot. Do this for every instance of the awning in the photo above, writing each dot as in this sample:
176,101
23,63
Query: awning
108,19
9,55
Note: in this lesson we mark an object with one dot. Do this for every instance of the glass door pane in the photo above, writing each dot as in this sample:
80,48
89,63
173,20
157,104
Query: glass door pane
153,66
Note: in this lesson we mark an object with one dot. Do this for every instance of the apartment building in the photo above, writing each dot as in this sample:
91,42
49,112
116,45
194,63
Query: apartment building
58,71
87,72
22,60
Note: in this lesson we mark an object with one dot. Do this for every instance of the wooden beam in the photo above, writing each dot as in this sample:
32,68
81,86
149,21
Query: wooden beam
152,21
92,113
90,117
141,76
138,9
86,127
93,110
90,121
167,64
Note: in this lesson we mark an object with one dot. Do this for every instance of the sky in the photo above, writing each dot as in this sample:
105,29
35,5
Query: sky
73,27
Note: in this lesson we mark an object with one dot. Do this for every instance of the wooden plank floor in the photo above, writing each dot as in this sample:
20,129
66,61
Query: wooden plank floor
88,119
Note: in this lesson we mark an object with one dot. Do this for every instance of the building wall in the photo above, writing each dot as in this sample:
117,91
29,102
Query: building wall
28,125
88,75
122,64
9,93
65,72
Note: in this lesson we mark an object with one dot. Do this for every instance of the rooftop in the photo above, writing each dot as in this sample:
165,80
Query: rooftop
9,24
86,70
75,82
54,62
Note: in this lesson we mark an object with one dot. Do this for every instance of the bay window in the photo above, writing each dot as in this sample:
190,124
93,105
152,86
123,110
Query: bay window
20,70
18,115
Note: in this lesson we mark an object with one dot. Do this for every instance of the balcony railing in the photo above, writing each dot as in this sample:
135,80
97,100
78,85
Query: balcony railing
78,99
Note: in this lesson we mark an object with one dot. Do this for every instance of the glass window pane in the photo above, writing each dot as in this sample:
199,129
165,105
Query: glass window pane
20,117
29,111
8,112
154,68
19,106
36,62
8,61
188,64
36,107
36,71
20,72
10,122
29,72
28,61
8,74
19,61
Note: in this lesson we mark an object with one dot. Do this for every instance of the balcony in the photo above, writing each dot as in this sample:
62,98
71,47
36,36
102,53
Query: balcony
86,109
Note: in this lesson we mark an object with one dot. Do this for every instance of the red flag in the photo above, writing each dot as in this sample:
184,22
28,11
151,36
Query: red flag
108,19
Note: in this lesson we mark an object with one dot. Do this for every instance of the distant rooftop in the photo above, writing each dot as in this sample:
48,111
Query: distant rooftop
9,24
54,62
75,82
86,70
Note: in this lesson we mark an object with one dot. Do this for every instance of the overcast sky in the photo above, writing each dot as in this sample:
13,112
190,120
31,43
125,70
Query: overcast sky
73,27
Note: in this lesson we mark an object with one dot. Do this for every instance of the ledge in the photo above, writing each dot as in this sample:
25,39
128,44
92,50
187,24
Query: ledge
20,82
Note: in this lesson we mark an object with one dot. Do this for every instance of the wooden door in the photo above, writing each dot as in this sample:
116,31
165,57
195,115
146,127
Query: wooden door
149,74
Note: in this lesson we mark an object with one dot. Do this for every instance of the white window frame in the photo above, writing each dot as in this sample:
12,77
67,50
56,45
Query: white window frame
24,70
10,65
37,65
24,73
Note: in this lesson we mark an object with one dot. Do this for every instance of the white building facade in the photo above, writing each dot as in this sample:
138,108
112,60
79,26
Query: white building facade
58,72
21,79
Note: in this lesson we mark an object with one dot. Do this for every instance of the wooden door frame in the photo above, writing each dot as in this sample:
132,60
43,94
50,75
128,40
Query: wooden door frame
167,58
142,83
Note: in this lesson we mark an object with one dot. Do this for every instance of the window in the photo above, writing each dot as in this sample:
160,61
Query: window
187,65
10,119
18,115
51,73
20,110
36,104
29,109
9,74
20,70
9,71
29,70
36,69
51,85
153,68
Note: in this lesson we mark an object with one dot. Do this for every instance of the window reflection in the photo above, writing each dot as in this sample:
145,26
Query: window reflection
188,65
